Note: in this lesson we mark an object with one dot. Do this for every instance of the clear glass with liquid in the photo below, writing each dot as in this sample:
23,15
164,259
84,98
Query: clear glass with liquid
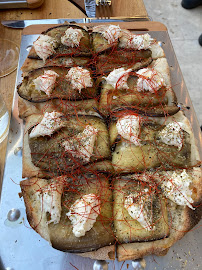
4,120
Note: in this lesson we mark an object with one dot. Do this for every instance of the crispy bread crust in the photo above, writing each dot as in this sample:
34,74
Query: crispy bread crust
105,253
157,51
34,215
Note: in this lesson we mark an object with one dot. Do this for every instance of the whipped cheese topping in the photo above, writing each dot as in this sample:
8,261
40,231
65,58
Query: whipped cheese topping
48,125
111,33
135,205
83,214
72,37
118,78
172,134
149,80
81,146
45,46
50,199
79,78
137,42
129,128
46,82
177,188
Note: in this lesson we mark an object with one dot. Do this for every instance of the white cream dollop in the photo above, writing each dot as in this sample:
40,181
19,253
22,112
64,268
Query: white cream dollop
45,46
111,33
118,78
136,42
129,128
149,80
83,214
137,209
82,145
72,37
172,134
177,188
48,125
79,78
46,82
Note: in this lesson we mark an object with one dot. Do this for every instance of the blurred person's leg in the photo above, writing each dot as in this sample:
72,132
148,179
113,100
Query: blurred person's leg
200,40
188,4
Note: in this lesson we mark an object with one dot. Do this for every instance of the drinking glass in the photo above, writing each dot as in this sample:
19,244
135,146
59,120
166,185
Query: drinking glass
9,53
4,120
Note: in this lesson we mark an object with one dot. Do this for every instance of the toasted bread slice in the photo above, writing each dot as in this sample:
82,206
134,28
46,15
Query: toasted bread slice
60,233
144,217
39,202
181,219
159,177
45,156
109,61
62,88
159,103
81,49
151,153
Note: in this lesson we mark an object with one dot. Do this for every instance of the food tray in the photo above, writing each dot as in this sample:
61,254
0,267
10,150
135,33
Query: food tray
21,247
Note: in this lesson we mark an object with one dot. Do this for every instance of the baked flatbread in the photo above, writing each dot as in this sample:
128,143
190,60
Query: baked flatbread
115,150
55,82
48,203
116,95
166,143
76,42
80,141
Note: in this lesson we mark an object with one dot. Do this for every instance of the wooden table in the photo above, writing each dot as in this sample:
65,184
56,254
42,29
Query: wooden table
52,9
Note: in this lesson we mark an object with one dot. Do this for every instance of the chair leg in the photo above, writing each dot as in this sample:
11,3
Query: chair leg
189,4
